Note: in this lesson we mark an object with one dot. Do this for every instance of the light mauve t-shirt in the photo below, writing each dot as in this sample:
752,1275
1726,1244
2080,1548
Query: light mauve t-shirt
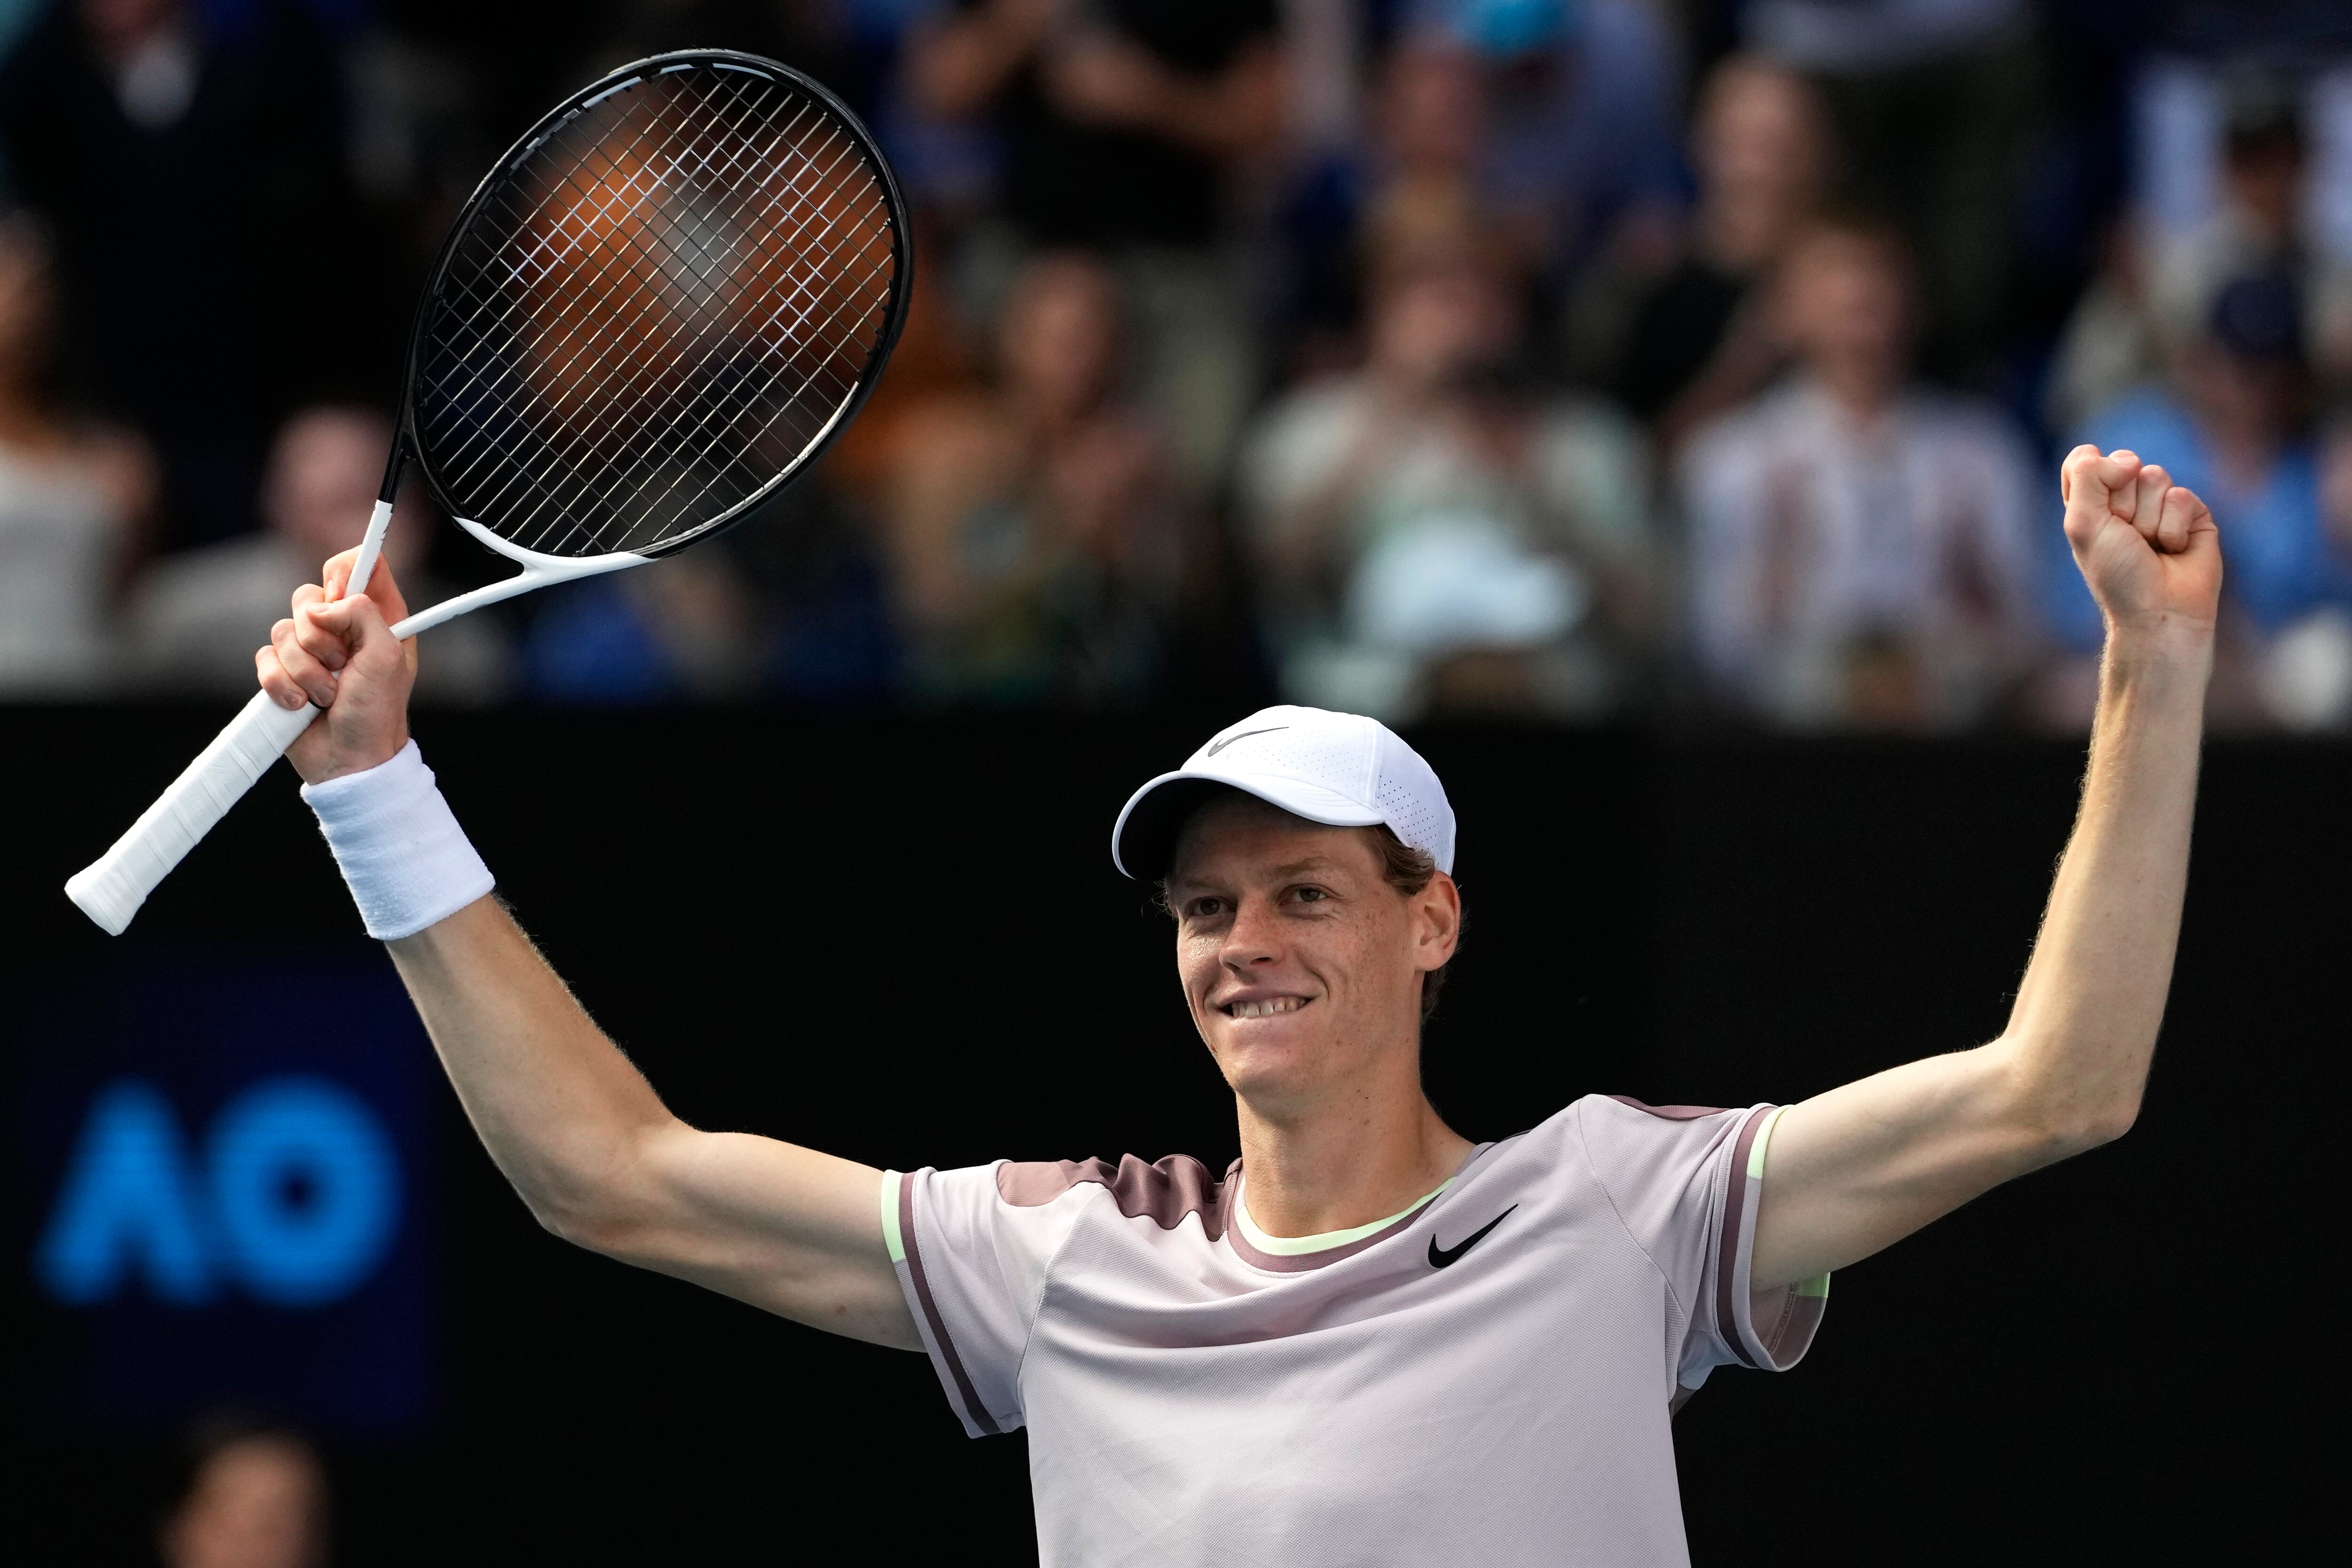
1486,1378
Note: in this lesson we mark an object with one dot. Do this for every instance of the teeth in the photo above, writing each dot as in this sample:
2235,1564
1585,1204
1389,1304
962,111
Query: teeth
1266,1008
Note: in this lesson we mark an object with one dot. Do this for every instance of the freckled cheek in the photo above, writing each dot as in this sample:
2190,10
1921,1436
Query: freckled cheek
1196,968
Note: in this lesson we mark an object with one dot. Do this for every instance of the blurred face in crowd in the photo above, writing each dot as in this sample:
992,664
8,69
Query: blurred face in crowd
260,1503
1762,145
2265,175
28,307
1434,324
2249,402
1431,115
1844,297
118,26
1300,960
324,471
1058,343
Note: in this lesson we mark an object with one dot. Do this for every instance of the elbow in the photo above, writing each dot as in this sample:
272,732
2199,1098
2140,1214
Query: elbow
2055,1114
576,1218
597,1209
2077,1129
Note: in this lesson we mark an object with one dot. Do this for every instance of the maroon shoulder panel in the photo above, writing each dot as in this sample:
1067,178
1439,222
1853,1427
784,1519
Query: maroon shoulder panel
1671,1112
1163,1192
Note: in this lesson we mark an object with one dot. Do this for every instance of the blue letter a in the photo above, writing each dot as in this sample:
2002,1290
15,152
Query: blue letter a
125,1206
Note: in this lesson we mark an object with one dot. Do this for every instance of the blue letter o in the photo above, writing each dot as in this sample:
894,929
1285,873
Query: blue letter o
307,1189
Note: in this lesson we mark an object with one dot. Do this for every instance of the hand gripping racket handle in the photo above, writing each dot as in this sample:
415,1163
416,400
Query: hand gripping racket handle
110,889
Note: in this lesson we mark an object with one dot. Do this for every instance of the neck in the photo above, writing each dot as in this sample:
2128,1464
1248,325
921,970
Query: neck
1363,1154
1863,391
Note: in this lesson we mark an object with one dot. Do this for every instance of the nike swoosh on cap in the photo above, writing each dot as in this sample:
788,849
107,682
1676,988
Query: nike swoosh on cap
1443,1257
1244,735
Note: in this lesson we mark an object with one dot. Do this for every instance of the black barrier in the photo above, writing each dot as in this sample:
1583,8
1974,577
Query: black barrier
904,943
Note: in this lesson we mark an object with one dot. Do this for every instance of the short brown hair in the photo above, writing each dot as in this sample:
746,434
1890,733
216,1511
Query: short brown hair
1408,870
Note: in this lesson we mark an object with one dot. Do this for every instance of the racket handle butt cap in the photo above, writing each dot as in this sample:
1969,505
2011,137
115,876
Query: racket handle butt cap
110,889
110,899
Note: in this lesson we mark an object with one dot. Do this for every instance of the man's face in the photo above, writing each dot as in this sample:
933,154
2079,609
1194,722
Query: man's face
1847,305
1301,962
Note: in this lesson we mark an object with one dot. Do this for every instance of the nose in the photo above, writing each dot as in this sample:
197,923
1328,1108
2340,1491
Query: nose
1254,939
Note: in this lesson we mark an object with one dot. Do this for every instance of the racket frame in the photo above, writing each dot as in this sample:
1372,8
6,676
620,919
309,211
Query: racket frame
406,445
111,888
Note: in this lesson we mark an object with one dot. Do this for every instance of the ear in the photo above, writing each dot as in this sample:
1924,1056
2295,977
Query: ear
1438,920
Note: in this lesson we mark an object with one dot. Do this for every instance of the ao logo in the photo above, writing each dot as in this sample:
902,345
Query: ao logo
295,1200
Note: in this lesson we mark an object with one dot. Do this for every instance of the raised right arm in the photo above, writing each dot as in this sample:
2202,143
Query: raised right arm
577,1129
602,1163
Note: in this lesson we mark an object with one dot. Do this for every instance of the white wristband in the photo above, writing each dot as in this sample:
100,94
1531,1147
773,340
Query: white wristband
405,859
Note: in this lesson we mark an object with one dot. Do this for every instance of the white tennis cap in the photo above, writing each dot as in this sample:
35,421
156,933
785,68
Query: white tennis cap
1340,769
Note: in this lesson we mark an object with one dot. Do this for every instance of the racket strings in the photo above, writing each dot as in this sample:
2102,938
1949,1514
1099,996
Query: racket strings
643,299
721,408
670,299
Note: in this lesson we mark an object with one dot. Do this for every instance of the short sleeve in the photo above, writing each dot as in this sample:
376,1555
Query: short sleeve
1687,1182
973,1269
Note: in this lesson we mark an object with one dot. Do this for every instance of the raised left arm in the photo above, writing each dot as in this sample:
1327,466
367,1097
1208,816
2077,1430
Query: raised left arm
1864,1165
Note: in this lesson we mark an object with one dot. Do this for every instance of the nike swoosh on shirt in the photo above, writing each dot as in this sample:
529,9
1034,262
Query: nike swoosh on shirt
1443,1257
1242,736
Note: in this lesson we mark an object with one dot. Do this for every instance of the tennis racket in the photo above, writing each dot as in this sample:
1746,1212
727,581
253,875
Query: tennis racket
660,306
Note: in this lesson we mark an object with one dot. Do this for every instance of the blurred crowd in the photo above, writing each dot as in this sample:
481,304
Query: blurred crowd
1696,360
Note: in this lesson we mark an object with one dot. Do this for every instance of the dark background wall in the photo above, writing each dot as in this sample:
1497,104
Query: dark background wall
903,943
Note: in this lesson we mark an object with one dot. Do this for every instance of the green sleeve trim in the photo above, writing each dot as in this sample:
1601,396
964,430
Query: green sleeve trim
891,1240
1818,1287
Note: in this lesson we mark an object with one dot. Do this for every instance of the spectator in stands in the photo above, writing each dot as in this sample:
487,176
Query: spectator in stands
198,616
2229,187
72,498
1037,530
250,1495
1862,550
190,160
1428,534
1702,340
1580,102
1125,123
1935,106
2256,226
1413,185
2237,431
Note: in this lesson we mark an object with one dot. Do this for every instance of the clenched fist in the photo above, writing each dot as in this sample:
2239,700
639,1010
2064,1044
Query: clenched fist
340,654
2146,547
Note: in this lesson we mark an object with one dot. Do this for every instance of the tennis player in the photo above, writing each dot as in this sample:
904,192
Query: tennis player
1370,1341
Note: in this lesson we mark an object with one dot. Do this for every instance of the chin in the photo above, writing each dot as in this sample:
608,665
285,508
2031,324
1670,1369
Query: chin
1256,1059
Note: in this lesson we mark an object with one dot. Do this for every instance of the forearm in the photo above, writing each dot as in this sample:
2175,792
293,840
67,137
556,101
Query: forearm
1865,1164
2083,1028
563,1113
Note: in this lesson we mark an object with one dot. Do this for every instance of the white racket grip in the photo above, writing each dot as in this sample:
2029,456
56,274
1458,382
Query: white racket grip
110,889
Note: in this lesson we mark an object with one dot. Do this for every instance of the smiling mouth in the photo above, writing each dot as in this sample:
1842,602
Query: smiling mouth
1264,1008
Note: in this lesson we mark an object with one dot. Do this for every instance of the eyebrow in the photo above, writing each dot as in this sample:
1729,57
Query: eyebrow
1290,869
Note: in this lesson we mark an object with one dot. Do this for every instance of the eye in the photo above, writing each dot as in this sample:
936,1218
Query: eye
1309,895
1205,908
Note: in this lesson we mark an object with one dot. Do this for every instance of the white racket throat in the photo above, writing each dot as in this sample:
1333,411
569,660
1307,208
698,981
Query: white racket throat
538,571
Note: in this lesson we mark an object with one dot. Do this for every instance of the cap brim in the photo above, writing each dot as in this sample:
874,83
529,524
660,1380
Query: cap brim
1143,840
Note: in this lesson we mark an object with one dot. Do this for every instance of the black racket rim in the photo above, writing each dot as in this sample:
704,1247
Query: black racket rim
408,449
